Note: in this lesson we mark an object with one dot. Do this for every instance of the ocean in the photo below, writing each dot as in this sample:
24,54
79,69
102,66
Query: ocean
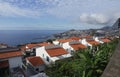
17,37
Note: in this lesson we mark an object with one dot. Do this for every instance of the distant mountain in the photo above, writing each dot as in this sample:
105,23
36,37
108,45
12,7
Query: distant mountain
105,31
116,25
107,28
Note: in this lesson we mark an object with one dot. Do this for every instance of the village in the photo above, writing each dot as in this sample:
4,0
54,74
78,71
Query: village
31,60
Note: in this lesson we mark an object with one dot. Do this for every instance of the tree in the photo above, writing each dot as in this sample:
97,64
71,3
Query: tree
84,63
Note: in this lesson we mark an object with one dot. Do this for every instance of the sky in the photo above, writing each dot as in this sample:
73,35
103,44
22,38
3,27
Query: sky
57,14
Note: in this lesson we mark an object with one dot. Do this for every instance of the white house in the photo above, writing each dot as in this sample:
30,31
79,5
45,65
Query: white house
65,43
77,46
50,54
105,40
30,48
98,40
12,58
89,42
61,41
92,42
84,42
35,63
73,46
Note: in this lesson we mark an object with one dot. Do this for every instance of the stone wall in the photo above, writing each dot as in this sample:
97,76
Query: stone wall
113,67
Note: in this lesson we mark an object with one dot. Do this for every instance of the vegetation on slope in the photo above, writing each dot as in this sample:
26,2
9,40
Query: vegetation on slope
84,63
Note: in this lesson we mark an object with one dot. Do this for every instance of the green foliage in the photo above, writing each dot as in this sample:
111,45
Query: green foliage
49,40
84,63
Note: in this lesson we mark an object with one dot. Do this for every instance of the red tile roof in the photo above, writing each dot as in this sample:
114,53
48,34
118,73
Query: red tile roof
44,44
78,46
74,38
10,54
38,44
4,64
35,60
105,40
31,45
93,42
56,52
65,40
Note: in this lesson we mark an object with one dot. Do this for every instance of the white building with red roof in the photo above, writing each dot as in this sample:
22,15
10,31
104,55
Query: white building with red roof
29,49
61,41
73,46
50,54
98,40
89,41
10,57
36,63
102,40
105,40
66,40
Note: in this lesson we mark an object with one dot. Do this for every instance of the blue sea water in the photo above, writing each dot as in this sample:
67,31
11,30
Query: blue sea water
16,37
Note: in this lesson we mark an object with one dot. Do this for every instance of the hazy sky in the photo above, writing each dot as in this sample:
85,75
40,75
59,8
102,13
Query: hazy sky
57,14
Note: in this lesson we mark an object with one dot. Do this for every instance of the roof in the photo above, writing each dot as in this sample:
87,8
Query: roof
2,44
9,49
31,45
65,40
75,38
4,64
38,44
44,44
87,37
77,46
35,60
105,40
56,51
93,42
23,48
10,54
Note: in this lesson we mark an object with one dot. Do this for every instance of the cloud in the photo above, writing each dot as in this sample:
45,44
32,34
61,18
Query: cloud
94,18
65,9
88,11
68,9
7,9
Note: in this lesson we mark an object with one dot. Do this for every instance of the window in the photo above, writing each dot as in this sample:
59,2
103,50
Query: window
34,50
43,55
72,51
37,69
47,58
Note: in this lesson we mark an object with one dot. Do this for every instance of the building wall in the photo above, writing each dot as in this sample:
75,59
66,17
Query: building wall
41,68
60,57
96,39
67,55
15,62
56,42
84,42
66,45
40,51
